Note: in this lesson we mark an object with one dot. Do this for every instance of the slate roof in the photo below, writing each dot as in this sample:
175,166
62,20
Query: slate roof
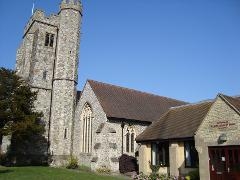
178,122
124,103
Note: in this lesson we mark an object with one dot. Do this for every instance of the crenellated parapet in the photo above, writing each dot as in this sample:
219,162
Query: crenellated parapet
39,16
71,4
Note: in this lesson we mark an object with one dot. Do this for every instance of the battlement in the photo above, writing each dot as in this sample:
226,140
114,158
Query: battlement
40,16
71,4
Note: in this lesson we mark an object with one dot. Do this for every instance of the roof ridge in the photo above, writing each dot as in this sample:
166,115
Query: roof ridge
192,104
134,90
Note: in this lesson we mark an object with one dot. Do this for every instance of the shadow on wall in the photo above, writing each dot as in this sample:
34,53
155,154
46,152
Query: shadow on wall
25,151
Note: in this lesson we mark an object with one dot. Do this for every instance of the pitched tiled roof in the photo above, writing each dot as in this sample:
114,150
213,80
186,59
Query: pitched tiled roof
178,122
233,101
119,102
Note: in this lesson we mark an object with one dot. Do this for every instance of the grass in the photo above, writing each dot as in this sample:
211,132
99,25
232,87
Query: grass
49,173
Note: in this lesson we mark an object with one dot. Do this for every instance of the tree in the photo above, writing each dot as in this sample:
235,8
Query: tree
18,117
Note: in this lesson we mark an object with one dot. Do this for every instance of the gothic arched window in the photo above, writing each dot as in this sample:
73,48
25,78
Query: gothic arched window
130,139
86,118
127,142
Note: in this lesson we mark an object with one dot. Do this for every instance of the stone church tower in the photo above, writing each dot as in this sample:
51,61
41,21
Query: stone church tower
48,60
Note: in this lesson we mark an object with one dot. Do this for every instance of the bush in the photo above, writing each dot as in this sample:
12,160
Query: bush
153,176
73,163
103,170
194,175
154,168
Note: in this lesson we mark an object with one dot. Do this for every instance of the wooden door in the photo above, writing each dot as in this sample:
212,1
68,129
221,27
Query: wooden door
224,163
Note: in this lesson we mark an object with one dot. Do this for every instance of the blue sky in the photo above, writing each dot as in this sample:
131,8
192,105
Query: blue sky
184,49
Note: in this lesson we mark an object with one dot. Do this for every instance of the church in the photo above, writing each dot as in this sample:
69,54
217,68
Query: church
101,122
96,125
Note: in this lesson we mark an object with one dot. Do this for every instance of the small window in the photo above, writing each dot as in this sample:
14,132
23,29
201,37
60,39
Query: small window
44,75
132,142
160,154
65,134
127,142
49,39
191,155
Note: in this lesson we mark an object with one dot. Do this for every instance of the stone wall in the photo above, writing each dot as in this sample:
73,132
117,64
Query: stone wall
89,97
62,114
106,133
220,119
33,58
52,71
65,80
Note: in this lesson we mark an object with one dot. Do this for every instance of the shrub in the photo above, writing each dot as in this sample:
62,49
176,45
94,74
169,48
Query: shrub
154,168
153,176
72,163
194,175
103,170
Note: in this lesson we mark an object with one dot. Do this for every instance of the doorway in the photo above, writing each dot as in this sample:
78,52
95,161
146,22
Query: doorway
224,163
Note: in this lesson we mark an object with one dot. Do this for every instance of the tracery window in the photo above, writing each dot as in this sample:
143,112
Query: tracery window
86,118
130,139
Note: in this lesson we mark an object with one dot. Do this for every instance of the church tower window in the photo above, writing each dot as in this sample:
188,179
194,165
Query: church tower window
49,39
44,75
65,133
86,117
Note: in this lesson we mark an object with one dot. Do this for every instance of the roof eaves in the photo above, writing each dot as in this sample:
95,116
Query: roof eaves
223,97
125,119
162,140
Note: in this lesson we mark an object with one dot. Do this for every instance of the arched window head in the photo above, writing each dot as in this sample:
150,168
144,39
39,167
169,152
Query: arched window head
86,118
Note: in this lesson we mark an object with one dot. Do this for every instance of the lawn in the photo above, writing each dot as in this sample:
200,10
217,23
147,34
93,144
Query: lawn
48,173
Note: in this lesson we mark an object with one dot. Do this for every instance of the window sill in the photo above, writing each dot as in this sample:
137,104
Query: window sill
191,167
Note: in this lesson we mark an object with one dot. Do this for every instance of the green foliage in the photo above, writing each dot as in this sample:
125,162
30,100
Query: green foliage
19,119
194,175
17,115
103,170
153,176
154,168
73,163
